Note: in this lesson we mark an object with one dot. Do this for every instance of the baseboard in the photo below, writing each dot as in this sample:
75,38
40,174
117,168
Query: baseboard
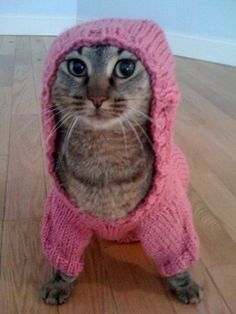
217,50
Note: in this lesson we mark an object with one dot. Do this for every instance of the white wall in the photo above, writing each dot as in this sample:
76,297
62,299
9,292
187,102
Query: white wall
42,17
208,18
204,29
39,8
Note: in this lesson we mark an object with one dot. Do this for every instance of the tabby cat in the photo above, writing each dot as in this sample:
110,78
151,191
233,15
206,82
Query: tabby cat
104,158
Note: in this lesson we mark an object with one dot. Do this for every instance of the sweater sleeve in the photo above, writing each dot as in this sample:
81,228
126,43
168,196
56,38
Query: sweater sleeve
63,237
168,234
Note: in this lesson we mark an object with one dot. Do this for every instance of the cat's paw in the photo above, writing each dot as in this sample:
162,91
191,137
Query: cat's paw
56,292
190,294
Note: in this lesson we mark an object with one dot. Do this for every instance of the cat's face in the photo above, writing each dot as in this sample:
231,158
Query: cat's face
102,85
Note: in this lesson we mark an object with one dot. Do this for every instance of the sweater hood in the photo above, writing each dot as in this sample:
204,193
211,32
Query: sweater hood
147,41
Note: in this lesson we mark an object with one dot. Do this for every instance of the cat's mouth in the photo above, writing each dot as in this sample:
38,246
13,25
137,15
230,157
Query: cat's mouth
96,113
98,116
101,118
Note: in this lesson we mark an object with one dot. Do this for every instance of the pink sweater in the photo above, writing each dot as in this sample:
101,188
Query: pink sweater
163,221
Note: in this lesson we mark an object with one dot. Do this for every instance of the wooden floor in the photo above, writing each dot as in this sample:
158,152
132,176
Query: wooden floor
117,278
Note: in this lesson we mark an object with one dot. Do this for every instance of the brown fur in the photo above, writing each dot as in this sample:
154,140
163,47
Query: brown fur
107,170
105,175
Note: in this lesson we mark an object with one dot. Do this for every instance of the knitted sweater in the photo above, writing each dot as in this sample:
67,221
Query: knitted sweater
163,221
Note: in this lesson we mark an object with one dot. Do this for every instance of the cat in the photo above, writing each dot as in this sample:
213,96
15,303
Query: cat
104,157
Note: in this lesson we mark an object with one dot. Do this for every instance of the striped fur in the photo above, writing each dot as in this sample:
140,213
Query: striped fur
105,164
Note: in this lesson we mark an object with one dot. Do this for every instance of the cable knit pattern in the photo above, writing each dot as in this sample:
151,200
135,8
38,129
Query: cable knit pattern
163,221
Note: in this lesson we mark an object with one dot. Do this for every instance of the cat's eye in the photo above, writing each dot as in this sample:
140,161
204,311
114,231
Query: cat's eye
77,67
124,68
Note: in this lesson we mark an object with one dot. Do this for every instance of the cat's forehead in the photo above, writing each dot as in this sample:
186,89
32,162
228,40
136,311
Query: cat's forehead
103,52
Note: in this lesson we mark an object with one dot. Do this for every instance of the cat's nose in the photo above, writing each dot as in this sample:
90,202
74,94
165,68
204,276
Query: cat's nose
97,100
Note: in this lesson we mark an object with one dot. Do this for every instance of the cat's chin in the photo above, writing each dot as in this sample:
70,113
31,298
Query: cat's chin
100,122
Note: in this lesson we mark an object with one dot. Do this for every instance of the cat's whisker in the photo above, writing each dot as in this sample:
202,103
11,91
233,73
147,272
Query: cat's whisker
49,109
68,135
143,131
138,139
65,141
58,125
55,114
141,113
53,110
56,128
145,116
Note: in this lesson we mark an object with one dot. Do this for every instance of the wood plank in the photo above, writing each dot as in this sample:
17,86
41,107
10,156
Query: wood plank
25,184
1,229
8,45
219,199
23,50
221,126
93,293
24,98
204,153
225,279
5,118
48,40
3,179
134,279
6,70
213,81
23,270
38,54
7,61
219,92
217,247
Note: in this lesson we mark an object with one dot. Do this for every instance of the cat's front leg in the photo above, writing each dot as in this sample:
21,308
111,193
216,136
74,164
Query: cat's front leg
185,288
57,290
